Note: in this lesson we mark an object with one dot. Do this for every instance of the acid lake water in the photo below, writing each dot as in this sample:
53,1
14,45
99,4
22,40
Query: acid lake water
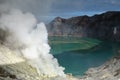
79,61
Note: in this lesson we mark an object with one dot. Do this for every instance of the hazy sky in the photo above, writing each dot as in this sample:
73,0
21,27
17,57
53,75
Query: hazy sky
69,8
48,9
81,7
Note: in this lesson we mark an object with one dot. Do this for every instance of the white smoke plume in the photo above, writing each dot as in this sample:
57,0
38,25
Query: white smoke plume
30,40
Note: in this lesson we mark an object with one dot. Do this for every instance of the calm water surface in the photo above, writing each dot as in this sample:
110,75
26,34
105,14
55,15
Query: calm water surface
77,62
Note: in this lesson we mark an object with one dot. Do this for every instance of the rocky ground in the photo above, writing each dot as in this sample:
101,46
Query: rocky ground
13,67
108,71
22,71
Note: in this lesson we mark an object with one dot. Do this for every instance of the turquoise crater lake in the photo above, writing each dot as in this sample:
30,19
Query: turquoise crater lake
79,54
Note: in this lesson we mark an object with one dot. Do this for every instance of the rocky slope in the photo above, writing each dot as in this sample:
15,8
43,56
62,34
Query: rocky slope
104,26
108,71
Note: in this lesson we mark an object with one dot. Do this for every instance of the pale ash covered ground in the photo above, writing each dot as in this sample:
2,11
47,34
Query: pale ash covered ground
108,71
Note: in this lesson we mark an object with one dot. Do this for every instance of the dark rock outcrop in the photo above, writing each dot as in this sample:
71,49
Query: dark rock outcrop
104,26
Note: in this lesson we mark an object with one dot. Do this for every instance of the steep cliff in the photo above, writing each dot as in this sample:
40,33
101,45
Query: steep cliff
104,26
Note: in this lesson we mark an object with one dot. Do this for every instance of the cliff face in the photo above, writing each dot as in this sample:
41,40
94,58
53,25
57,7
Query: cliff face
108,71
104,26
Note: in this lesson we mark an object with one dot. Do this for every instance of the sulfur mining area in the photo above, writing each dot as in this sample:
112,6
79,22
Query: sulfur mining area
15,67
24,55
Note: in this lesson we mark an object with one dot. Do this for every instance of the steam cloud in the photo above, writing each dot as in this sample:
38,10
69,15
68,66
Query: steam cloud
29,40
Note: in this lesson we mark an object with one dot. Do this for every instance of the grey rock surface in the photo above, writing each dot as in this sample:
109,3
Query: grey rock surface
105,26
108,71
